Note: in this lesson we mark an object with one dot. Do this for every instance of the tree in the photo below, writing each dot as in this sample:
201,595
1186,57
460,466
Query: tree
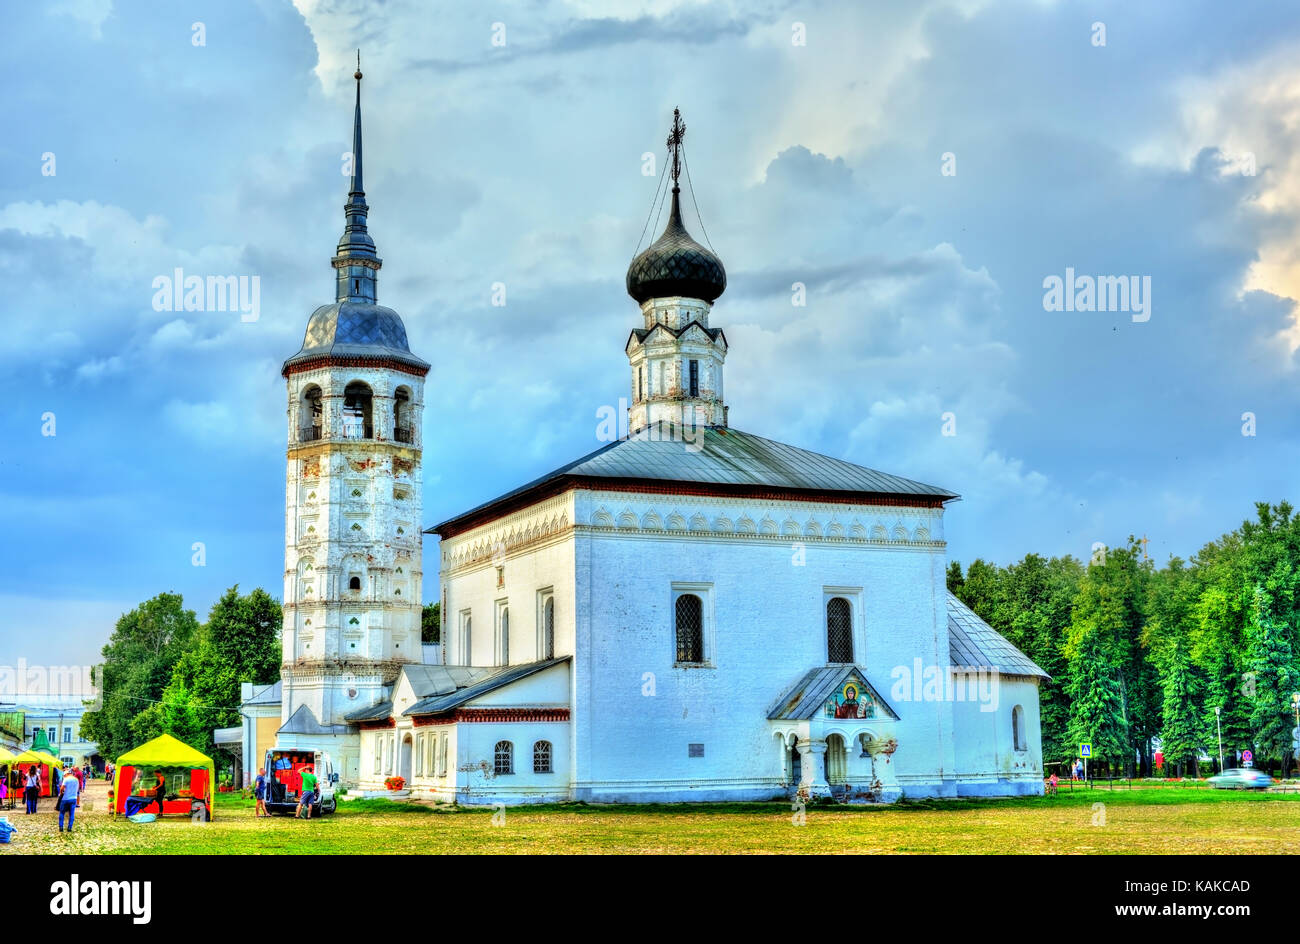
431,623
138,659
239,643
1273,674
1182,731
1096,701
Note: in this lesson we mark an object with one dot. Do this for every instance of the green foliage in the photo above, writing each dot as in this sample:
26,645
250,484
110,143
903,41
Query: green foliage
431,623
172,676
1142,656
138,659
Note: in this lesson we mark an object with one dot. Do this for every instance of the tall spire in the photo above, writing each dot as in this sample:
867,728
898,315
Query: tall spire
356,261
357,187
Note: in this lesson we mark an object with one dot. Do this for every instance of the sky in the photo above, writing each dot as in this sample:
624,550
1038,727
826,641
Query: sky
921,168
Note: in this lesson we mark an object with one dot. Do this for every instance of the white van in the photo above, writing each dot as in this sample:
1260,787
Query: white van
284,780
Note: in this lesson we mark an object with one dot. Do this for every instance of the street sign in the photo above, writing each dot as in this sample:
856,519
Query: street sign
1085,750
1247,757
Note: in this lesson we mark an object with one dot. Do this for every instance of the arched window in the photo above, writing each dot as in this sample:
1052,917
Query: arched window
402,429
504,758
354,583
310,415
548,628
1018,728
839,630
357,422
690,628
542,757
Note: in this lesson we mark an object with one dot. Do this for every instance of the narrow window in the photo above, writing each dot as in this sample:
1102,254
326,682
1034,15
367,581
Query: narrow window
548,628
505,635
839,630
356,286
690,628
640,383
1018,728
695,378
542,757
442,755
503,758
354,583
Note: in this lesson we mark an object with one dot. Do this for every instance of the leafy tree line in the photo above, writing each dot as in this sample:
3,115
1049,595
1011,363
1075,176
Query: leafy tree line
1138,652
164,672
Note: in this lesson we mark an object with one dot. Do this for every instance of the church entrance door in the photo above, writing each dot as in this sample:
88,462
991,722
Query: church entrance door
404,764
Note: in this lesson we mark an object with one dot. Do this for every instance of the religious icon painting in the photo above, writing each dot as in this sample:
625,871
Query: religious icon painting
851,701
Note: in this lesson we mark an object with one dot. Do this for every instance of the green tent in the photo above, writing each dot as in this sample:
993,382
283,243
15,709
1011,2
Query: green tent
40,742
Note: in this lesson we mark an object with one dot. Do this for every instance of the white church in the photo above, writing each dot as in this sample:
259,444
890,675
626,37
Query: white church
689,613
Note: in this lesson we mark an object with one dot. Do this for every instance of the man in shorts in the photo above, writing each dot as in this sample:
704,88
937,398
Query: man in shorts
260,809
308,795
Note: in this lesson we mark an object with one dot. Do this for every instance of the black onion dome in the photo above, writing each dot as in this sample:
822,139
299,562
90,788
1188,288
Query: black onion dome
675,264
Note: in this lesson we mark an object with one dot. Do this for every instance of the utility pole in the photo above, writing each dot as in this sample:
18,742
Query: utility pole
1219,724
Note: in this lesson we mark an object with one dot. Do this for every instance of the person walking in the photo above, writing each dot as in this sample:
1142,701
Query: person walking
308,795
260,791
32,788
69,794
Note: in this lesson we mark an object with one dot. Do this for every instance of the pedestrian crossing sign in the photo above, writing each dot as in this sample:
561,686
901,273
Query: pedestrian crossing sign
1085,750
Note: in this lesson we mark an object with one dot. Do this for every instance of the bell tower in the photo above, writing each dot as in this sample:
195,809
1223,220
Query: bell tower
353,503
676,358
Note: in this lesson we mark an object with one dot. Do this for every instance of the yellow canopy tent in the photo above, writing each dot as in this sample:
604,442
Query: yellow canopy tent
167,751
47,763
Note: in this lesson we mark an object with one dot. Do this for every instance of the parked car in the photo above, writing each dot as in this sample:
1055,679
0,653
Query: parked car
1241,778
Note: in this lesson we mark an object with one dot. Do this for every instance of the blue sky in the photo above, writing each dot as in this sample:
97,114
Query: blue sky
522,164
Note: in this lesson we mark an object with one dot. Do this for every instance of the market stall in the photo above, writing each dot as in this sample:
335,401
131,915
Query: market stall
45,765
164,776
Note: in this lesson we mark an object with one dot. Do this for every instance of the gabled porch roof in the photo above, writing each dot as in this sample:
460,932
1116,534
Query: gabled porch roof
807,698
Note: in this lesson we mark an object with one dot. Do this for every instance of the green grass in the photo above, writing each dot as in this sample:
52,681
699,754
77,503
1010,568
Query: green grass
1141,820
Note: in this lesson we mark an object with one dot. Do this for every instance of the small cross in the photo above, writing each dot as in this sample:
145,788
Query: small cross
675,143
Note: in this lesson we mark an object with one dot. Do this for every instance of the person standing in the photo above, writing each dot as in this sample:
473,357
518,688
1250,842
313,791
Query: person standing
32,788
69,794
260,809
308,795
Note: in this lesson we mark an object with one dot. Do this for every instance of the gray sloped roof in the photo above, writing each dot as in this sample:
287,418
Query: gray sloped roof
974,644
270,695
724,456
426,681
303,721
806,698
496,678
376,712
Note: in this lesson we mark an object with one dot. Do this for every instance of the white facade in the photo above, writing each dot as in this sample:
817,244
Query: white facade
703,616
765,570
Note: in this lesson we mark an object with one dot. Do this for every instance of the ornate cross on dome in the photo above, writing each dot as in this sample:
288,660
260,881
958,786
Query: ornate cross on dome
675,144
